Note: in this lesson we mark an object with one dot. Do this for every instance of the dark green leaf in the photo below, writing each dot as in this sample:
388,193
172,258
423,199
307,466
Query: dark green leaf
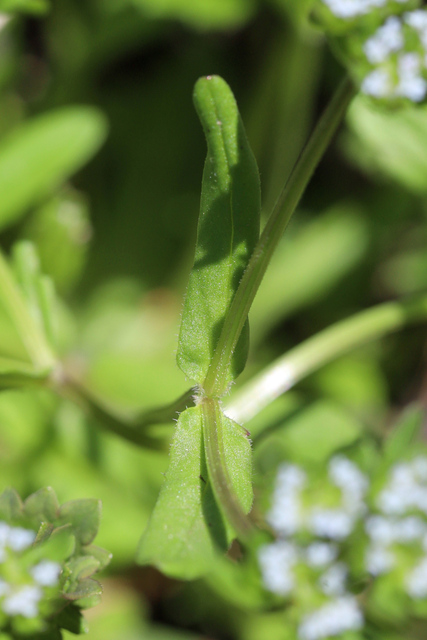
84,589
71,619
227,232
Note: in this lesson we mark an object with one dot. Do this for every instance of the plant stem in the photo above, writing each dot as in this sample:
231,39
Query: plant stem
217,467
276,225
321,349
131,428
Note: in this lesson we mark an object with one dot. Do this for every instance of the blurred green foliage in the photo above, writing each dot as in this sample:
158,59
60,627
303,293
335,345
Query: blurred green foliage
115,231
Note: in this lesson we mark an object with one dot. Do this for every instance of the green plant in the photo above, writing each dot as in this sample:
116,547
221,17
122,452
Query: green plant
332,552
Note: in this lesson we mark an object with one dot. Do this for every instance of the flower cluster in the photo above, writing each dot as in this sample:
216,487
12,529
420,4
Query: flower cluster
25,584
47,562
387,53
312,522
397,532
369,531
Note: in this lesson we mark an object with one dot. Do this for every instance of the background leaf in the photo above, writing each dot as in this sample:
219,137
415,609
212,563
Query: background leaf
40,154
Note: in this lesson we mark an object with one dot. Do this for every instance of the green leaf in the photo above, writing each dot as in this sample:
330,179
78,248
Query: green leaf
84,589
42,505
24,6
201,15
391,143
38,289
84,517
71,619
102,556
10,505
403,435
179,539
227,232
41,154
15,304
80,568
187,528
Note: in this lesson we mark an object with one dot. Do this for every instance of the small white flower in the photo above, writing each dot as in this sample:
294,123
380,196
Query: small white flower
276,562
386,40
380,529
335,524
23,602
379,560
20,539
4,587
333,581
320,554
416,582
46,573
377,84
334,618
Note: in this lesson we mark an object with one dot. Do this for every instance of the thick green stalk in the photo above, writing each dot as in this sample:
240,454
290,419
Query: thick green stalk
321,349
217,467
276,225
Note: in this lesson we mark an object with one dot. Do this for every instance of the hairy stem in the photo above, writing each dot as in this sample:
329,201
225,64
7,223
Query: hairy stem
276,225
321,349
217,467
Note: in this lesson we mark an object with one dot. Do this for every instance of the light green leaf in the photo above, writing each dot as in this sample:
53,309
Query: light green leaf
24,6
227,232
310,437
390,142
343,231
403,436
179,539
209,14
187,528
37,288
44,152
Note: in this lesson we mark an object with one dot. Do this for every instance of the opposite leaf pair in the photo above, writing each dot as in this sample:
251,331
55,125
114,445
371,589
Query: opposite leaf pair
208,488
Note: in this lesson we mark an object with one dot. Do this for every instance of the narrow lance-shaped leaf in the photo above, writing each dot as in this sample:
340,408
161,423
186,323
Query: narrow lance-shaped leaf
227,233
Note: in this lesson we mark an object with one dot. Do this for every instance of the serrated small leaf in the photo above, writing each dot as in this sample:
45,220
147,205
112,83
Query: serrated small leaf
10,505
81,568
59,546
42,505
228,230
84,517
102,555
84,589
